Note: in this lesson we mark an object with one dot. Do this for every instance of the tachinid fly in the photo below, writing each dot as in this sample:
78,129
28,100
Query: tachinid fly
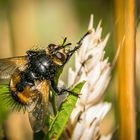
30,77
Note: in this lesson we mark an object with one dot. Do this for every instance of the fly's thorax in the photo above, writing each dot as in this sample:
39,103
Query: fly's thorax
42,65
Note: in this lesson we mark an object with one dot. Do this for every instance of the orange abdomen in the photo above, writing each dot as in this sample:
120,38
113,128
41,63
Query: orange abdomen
22,97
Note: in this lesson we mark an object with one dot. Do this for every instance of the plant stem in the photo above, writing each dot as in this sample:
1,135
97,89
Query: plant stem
53,102
125,27
54,105
11,30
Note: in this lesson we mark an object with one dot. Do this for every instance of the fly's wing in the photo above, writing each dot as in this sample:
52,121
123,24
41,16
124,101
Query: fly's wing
9,65
38,106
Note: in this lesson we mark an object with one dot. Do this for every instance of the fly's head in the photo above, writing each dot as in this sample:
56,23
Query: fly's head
59,53
62,53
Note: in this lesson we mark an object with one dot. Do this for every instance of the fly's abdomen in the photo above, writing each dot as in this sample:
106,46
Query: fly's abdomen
20,90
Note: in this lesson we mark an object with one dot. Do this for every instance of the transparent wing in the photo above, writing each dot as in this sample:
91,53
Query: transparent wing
9,65
38,107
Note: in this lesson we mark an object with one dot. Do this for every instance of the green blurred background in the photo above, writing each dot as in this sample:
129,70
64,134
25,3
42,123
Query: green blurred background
28,23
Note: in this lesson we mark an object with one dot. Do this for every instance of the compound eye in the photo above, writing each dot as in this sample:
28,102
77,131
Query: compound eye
51,47
60,56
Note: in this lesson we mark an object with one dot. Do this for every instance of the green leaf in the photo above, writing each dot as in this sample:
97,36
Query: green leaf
3,106
63,114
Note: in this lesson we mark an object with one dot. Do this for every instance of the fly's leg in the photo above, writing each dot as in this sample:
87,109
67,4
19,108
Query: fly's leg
79,43
60,91
69,54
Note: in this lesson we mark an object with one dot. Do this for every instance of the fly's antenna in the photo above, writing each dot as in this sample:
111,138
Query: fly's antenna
63,45
64,41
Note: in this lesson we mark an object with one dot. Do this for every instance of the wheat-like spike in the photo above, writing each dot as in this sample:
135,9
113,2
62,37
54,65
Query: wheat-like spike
91,66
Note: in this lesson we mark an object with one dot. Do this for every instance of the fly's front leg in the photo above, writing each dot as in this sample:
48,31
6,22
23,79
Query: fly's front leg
79,44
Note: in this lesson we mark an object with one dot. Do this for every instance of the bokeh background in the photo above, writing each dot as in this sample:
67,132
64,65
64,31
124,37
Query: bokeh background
25,24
